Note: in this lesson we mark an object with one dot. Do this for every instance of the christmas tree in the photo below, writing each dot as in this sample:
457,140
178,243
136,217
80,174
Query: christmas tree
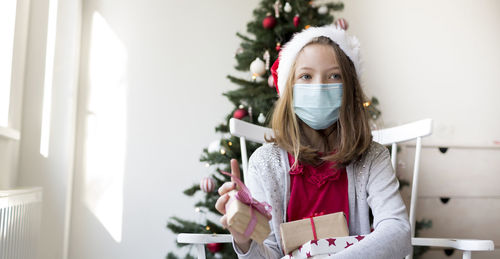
275,21
273,25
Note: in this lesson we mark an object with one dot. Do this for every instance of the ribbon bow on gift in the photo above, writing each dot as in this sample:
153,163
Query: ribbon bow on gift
245,197
312,222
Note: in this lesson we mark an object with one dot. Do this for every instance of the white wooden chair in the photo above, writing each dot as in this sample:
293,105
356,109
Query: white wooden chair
390,136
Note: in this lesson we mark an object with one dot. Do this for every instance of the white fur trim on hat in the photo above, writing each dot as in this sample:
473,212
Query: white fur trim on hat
349,44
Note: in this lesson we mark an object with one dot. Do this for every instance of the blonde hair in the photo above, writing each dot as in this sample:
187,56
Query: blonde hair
352,126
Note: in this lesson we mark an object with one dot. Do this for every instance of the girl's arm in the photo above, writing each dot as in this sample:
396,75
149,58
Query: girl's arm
269,249
391,237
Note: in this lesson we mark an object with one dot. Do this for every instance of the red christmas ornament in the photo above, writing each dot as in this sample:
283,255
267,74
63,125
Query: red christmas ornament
240,114
342,23
278,46
214,247
296,20
269,22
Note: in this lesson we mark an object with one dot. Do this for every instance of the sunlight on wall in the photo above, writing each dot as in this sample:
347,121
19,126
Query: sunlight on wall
50,49
106,127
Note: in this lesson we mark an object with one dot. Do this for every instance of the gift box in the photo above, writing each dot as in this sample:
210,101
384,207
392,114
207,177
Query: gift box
322,248
245,219
247,215
298,232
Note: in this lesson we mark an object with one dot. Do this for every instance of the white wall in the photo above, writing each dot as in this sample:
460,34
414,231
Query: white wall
440,60
151,82
436,59
53,172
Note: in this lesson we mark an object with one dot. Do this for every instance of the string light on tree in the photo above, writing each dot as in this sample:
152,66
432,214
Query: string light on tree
278,46
222,151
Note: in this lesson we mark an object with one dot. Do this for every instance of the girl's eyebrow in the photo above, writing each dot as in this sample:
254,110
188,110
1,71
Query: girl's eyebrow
308,68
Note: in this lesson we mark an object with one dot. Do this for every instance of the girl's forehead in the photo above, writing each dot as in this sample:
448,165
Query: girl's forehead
316,55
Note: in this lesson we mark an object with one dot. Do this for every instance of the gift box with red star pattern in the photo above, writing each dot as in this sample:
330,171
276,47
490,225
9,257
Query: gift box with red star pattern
322,248
296,233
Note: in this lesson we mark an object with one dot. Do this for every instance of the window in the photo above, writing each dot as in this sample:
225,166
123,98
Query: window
7,29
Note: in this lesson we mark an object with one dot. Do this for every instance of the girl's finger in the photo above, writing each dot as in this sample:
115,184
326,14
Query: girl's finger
223,221
235,169
220,204
226,187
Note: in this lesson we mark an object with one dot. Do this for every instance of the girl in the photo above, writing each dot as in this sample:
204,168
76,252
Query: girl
322,157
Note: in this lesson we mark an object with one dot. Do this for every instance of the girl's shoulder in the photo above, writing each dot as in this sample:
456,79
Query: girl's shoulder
375,151
269,154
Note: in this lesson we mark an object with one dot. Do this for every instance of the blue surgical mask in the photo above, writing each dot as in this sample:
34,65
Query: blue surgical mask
317,105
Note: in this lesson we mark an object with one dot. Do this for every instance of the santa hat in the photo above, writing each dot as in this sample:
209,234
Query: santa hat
282,66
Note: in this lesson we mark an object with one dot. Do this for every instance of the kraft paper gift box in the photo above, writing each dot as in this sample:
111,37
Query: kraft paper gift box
323,247
239,216
295,233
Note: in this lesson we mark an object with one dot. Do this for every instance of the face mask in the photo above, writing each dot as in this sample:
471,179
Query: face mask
317,105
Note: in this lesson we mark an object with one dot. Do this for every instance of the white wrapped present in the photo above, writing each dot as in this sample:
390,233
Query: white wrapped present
322,248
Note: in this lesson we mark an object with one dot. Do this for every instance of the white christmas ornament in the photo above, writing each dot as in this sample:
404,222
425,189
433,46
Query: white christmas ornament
207,184
261,119
258,67
288,7
270,81
214,146
323,9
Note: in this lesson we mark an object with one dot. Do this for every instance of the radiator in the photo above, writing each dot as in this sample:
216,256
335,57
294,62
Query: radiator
20,214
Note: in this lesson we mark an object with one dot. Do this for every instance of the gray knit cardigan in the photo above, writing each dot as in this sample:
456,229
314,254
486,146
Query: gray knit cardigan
372,184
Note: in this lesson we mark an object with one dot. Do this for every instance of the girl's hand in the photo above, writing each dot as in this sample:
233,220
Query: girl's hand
242,241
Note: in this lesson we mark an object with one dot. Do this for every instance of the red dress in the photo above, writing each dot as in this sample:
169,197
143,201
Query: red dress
317,189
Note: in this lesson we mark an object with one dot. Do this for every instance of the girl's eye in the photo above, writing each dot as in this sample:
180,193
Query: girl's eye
305,76
335,76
